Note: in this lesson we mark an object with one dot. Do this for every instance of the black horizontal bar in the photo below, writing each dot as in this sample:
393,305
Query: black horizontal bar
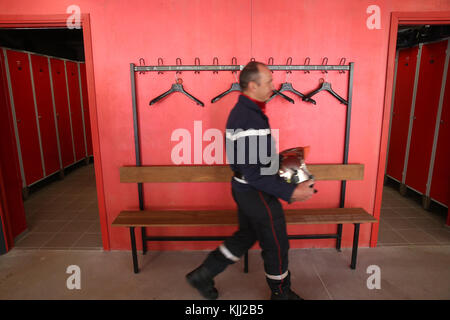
314,236
218,238
240,67
193,238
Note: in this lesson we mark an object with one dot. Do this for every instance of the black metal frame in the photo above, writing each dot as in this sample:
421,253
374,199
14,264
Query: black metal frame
215,68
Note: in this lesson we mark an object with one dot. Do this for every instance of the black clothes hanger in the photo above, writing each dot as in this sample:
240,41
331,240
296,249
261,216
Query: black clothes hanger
234,87
176,87
278,93
327,87
287,86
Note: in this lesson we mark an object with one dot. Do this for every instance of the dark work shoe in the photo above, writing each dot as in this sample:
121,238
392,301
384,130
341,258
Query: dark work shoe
202,280
287,294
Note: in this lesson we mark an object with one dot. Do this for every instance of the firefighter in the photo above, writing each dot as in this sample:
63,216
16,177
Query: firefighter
256,188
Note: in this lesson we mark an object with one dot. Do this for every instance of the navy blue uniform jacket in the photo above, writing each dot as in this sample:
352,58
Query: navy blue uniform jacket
246,126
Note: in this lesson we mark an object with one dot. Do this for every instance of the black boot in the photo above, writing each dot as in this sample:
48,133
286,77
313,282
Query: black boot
202,280
281,289
287,294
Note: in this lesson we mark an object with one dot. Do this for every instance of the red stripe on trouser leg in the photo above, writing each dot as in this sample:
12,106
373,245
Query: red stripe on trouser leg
274,236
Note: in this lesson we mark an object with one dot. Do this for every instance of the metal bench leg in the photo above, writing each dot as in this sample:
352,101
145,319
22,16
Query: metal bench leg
355,246
133,250
338,241
246,262
144,240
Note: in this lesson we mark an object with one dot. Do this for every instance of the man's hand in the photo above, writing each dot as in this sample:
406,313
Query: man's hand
304,191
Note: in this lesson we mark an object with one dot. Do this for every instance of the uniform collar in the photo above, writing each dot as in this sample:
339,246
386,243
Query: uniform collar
260,105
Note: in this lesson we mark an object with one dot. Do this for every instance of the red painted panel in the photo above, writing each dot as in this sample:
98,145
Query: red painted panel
19,68
62,111
427,100
45,113
404,87
75,109
87,120
10,179
441,174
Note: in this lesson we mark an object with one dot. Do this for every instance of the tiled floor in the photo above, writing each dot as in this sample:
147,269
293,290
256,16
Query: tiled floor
403,221
63,214
413,256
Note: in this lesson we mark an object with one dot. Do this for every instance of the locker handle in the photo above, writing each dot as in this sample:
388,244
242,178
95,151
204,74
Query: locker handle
19,121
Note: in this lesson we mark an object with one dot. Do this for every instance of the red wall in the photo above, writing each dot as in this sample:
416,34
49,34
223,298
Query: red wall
124,31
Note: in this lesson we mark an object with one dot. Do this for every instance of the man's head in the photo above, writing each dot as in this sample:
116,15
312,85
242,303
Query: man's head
256,81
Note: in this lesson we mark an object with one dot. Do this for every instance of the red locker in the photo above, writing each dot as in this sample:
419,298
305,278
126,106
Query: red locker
46,116
62,111
19,69
427,100
87,121
441,172
75,109
404,86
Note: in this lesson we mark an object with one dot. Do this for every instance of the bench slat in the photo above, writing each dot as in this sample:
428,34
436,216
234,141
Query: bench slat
229,217
155,174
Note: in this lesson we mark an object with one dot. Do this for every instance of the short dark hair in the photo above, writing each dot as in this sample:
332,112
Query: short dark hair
250,73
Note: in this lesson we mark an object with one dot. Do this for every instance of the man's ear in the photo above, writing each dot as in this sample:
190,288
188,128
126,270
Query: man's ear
251,86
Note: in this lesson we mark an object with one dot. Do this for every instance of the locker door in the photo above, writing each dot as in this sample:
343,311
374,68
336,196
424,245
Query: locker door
62,111
404,86
46,115
87,121
75,109
441,172
427,100
25,115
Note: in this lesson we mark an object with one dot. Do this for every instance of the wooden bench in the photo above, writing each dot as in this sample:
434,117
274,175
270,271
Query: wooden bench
208,218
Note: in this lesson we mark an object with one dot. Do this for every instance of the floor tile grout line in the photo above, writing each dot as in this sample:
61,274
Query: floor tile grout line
323,284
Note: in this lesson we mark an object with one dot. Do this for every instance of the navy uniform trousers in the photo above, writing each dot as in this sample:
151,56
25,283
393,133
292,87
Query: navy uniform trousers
261,218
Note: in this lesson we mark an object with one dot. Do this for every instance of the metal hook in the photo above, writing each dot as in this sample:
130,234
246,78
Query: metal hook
289,62
308,59
141,63
215,63
342,63
324,63
195,62
234,63
178,64
160,63
270,64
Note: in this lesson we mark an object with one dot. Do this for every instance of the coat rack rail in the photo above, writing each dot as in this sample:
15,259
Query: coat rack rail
240,67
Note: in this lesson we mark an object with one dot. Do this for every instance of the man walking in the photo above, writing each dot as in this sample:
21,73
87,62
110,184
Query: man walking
256,190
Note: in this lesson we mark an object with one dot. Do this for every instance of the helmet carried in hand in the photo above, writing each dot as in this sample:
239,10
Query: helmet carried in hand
292,166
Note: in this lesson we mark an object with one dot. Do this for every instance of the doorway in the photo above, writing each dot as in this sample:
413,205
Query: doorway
61,209
412,148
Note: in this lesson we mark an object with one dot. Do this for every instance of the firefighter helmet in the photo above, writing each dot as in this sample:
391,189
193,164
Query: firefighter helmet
292,165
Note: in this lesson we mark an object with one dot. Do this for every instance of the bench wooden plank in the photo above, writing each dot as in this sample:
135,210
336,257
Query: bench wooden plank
229,217
157,174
